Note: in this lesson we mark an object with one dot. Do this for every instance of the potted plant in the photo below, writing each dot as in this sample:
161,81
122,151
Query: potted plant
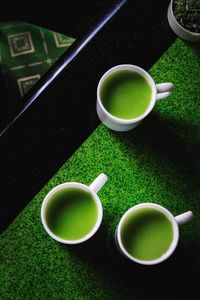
184,19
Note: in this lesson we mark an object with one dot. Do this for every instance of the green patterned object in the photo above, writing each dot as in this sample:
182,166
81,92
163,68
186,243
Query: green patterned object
158,161
26,53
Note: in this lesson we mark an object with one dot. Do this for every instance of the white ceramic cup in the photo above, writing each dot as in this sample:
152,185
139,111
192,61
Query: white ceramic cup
175,221
159,91
93,189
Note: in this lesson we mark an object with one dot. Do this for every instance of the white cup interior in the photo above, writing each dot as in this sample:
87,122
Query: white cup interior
171,248
134,69
79,186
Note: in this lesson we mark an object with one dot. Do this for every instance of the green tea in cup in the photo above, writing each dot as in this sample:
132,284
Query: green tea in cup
126,94
71,213
147,234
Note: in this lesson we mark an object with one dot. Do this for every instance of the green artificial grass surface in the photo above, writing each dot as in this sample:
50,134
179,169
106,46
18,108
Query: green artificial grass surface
157,162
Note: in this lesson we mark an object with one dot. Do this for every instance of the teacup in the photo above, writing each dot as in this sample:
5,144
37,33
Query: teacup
72,212
148,233
126,94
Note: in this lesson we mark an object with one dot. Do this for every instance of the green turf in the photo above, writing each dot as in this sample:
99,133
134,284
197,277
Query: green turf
159,162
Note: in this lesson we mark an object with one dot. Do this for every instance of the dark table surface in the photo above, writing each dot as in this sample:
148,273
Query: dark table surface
63,115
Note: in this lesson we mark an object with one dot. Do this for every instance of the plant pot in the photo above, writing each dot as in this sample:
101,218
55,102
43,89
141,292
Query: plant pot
180,30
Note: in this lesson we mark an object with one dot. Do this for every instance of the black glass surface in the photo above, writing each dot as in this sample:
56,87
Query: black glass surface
64,115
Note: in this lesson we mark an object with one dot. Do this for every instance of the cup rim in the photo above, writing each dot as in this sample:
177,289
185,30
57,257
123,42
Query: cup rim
79,186
172,246
138,70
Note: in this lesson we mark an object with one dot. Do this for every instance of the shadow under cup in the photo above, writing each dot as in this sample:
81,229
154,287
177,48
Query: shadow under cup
71,213
147,234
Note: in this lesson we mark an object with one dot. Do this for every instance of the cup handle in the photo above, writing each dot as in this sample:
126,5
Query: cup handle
99,182
184,218
164,90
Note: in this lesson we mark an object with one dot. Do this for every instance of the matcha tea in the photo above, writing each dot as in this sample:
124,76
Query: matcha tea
147,234
126,94
71,213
